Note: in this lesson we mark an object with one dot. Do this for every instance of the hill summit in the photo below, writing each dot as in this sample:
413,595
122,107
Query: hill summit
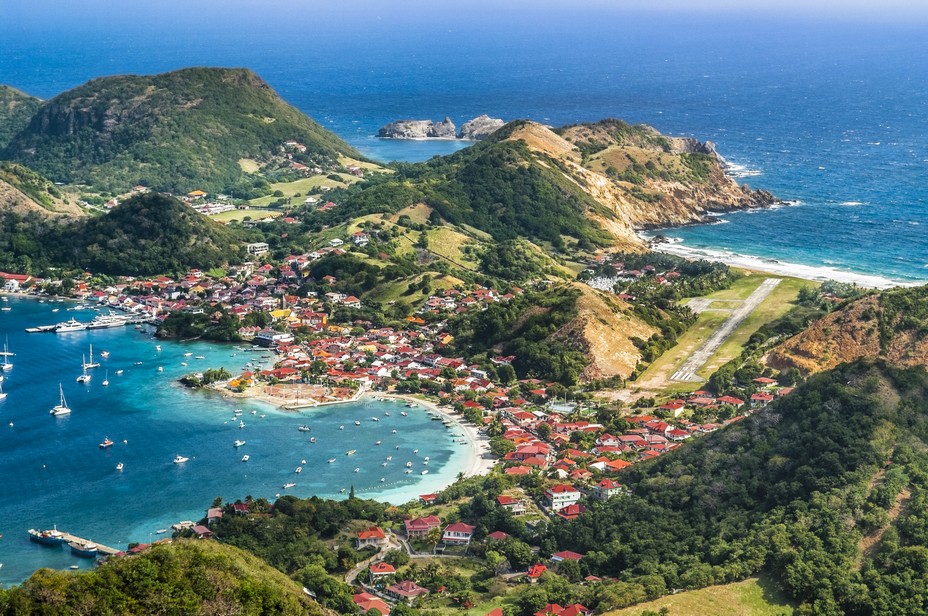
172,132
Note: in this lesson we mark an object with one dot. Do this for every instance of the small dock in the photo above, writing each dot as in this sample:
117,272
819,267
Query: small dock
103,549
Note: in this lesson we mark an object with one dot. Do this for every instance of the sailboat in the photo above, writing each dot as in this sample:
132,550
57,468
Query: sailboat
106,381
91,364
2,393
5,365
84,378
62,408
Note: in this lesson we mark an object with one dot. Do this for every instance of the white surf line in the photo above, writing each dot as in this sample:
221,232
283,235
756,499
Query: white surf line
687,372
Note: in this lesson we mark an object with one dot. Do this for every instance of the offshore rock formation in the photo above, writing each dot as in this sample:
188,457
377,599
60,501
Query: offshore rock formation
419,129
480,127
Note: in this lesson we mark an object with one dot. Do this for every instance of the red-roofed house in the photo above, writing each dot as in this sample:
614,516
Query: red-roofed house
458,534
420,527
730,400
571,512
514,505
498,535
565,555
534,572
367,602
761,398
575,610
381,569
607,488
371,536
406,590
552,609
561,495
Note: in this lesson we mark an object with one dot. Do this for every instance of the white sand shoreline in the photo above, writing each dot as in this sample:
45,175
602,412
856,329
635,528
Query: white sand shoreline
482,461
780,268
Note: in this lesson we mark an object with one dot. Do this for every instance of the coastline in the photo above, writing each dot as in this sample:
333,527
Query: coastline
813,273
480,461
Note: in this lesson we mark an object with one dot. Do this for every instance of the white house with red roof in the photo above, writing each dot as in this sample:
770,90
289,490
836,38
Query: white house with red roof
420,527
457,534
607,488
514,505
371,536
561,495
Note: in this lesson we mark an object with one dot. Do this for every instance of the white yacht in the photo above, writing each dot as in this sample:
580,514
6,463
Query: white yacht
83,378
62,407
180,459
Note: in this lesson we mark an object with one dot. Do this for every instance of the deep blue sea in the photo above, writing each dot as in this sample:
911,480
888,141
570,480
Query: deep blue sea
53,472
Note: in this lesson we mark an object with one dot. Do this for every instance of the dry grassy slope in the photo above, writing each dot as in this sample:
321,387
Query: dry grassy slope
846,335
13,199
604,332
679,203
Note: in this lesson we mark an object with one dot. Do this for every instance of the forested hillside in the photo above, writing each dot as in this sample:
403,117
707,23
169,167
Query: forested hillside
173,132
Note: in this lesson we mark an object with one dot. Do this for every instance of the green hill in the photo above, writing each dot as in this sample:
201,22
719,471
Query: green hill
16,109
826,489
148,234
187,577
173,132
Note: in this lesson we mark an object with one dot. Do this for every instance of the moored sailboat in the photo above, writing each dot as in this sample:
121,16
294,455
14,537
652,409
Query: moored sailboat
62,407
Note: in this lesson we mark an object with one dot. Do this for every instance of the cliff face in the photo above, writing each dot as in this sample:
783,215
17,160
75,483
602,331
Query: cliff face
890,326
604,332
480,127
419,129
641,178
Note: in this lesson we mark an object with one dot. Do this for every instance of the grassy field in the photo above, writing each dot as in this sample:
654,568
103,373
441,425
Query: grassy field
449,244
240,215
657,375
778,303
751,597
396,290
302,187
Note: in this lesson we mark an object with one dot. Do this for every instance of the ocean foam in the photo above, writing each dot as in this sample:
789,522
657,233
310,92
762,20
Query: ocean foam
774,266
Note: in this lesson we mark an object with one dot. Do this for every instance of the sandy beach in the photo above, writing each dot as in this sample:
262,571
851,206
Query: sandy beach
779,268
482,461
286,398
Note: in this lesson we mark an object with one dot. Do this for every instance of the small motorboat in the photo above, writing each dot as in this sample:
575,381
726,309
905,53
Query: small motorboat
105,354
119,372
375,419
298,470
304,428
341,427
357,470
245,458
312,439
238,443
289,485
357,423
389,458
382,480
415,451
119,466
180,459
426,458
404,414
157,347
377,443
409,465
425,472
383,464
351,452
331,460
160,368
106,443
241,424
394,432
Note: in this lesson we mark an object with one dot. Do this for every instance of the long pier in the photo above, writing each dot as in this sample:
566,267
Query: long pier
103,549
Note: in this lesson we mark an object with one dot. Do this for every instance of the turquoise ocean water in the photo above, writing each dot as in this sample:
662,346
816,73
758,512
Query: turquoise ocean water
52,471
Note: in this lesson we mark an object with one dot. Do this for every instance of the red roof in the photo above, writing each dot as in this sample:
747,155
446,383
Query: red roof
382,568
374,532
535,571
566,555
498,535
460,527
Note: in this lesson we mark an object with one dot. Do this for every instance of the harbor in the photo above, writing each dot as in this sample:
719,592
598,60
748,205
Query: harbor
101,321
79,545
150,419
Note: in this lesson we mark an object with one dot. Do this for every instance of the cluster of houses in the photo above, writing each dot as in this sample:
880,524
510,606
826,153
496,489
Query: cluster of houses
605,272
383,588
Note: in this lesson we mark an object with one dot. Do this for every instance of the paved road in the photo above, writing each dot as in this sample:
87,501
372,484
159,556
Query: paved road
687,372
